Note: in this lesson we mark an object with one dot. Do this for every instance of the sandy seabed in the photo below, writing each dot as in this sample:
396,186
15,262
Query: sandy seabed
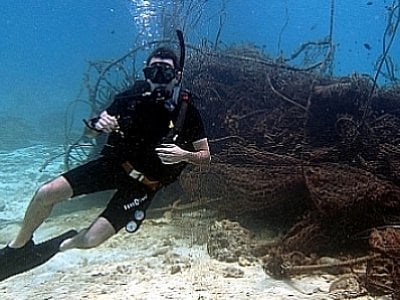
166,259
157,262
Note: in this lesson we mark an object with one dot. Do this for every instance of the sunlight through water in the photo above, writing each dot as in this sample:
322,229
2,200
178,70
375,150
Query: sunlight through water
153,18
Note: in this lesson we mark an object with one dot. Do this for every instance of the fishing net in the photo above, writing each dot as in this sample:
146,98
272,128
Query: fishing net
383,273
289,143
322,152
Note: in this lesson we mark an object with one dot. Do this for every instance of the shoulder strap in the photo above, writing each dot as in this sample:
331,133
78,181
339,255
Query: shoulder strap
185,97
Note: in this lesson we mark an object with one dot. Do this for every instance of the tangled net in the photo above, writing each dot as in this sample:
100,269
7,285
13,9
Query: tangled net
291,144
317,153
383,272
321,152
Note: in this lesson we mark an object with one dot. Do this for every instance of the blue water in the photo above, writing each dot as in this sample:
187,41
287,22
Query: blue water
45,45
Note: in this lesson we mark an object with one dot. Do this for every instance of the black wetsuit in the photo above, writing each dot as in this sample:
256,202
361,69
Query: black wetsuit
144,125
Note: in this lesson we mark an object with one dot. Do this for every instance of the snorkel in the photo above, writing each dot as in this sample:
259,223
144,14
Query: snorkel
179,33
170,104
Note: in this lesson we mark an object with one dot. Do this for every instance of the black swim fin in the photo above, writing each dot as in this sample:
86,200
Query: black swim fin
22,261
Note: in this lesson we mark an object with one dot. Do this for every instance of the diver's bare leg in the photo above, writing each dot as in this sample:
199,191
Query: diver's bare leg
100,231
40,208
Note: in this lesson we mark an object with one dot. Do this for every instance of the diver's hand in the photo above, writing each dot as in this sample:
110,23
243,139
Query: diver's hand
106,123
172,154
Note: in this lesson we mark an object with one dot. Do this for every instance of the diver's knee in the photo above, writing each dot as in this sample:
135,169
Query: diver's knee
52,192
43,195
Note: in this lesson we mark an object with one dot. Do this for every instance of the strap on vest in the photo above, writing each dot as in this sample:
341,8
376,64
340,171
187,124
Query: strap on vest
176,130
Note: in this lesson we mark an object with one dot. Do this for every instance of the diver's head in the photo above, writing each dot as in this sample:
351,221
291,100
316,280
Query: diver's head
161,73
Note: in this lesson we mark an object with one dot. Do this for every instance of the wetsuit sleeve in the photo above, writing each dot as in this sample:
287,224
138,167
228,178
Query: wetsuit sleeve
194,125
124,99
116,106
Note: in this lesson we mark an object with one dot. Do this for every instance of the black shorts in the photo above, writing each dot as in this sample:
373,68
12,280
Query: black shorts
101,175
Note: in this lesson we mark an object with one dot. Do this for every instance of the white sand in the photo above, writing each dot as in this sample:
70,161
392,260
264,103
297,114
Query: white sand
161,261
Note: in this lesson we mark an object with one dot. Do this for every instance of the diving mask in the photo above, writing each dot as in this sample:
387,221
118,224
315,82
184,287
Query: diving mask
159,73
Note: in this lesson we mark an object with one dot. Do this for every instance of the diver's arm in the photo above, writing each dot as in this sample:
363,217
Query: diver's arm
201,155
172,154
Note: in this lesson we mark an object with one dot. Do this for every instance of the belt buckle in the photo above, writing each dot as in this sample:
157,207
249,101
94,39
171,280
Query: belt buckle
136,175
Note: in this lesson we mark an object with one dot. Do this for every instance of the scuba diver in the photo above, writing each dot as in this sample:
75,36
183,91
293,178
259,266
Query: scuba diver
153,130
